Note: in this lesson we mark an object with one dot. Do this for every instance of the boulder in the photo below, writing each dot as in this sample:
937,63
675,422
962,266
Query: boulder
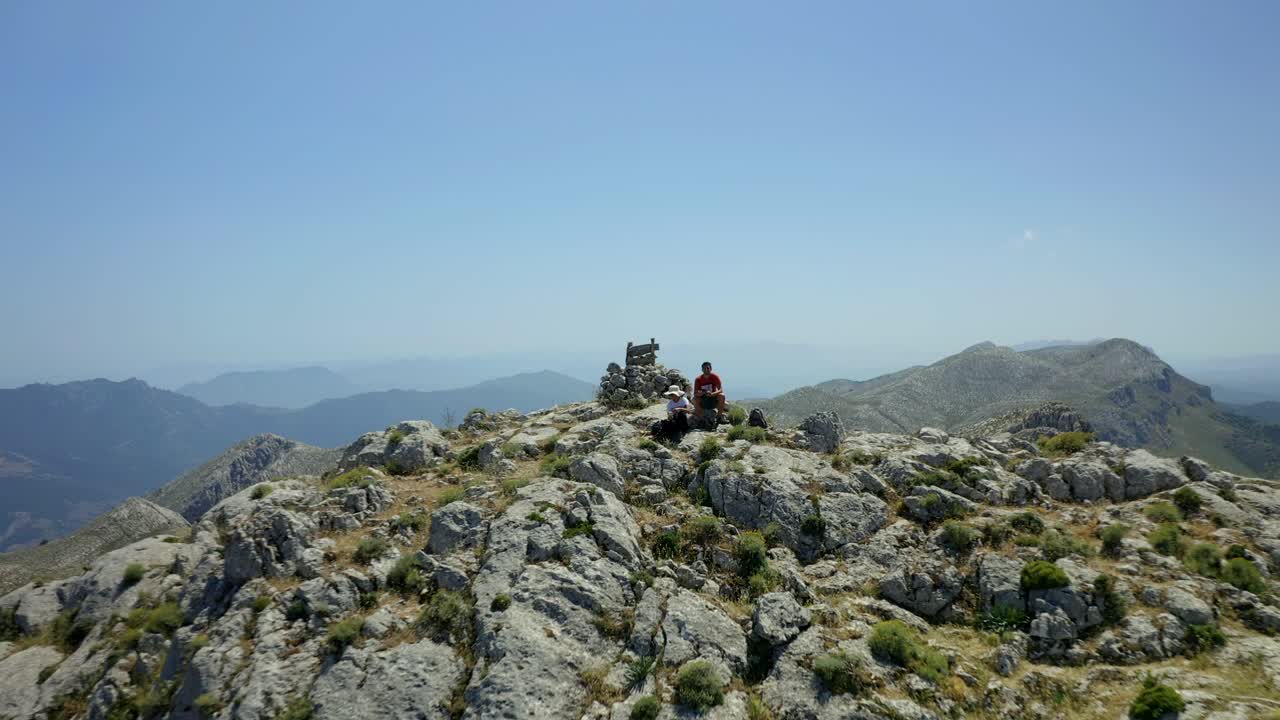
822,432
406,682
778,618
407,446
1188,608
927,589
599,470
458,525
933,504
1145,474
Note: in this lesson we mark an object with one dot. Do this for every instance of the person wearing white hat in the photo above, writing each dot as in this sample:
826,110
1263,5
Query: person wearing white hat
678,409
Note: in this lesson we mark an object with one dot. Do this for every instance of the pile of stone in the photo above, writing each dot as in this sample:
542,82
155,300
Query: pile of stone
641,379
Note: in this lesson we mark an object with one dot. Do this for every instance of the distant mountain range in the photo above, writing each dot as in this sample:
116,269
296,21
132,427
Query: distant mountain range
1131,395
293,388
1267,412
69,452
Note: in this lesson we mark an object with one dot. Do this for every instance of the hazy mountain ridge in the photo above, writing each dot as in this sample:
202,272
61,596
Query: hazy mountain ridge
292,388
1132,396
99,441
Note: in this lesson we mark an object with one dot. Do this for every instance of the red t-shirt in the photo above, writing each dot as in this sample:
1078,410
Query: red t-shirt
707,383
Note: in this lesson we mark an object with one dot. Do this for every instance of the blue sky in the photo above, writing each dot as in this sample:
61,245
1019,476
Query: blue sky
234,184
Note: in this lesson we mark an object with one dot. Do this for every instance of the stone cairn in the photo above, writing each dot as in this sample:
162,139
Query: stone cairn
642,379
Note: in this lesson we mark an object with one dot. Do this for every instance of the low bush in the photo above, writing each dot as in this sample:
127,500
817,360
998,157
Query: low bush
703,530
1067,443
500,602
958,537
1027,522
133,574
840,673
1043,575
555,465
1113,539
615,624
395,437
368,600
586,527
1243,574
709,450
964,467
642,577
297,610
356,477
406,576
446,617
469,459
762,582
537,517
646,708
343,633
299,708
260,491
639,669
1162,512
1155,701
748,433
1203,638
370,549
666,545
410,521
894,641
1027,540
813,525
752,554
1187,500
1167,540
995,533
9,628
1113,603
737,415
163,619
698,686
1237,551
511,486
1055,545
1204,558
450,495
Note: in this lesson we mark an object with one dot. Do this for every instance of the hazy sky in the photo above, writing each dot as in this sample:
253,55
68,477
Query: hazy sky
259,183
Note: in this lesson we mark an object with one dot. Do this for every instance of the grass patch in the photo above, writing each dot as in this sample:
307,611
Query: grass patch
586,527
703,530
207,705
1155,701
1027,522
410,521
406,576
343,633
469,459
1204,558
163,619
1162,512
746,432
1244,575
370,549
511,486
450,495
1113,539
1002,618
1055,545
299,708
709,450
446,617
1187,500
666,545
896,642
1167,540
555,465
840,673
500,602
958,537
737,415
261,490
133,574
361,477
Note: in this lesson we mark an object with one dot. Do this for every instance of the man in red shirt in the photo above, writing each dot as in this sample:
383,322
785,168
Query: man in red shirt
708,392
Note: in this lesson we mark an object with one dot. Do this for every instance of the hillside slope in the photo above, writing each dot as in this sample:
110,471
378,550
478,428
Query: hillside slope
293,388
258,459
126,523
1131,396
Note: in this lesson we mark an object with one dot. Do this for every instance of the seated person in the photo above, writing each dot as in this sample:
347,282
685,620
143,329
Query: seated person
708,392
678,408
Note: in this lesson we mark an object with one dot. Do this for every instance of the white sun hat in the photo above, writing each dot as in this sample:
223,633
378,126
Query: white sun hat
674,390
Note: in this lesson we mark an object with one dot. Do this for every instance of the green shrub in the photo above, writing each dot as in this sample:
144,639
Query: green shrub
772,534
737,415
163,619
1113,539
964,467
1204,558
762,582
9,628
133,574
752,553
995,533
1066,443
666,544
1114,606
413,522
757,710
1027,540
1043,575
1002,618
813,525
1055,545
501,602
469,459
207,705
537,517
639,670
511,486
709,450
586,527
1187,500
1237,551
555,465
703,530
643,577
1167,540
1228,494
356,477
1243,574
260,491
198,641
297,610
698,686
299,708
958,537
1155,701
370,549
368,600
1162,512
1027,522
648,444
646,708
395,437
748,433
615,624
406,577
894,641
446,617
1203,638
840,673
343,633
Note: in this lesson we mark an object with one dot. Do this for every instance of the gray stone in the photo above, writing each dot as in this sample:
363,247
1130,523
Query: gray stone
409,681
420,446
823,432
778,618
1188,608
695,628
458,525
926,589
600,470
933,504
1145,474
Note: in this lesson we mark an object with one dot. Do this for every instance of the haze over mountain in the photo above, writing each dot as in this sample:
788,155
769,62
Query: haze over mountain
71,451
290,388
1131,396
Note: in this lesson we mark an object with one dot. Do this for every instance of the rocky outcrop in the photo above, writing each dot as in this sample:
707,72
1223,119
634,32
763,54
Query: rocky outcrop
410,446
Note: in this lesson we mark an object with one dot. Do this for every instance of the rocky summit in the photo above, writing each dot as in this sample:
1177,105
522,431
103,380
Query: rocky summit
562,564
